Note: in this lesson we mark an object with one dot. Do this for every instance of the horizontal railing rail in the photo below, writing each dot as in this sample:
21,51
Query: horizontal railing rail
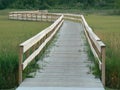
34,11
33,46
33,16
96,45
73,17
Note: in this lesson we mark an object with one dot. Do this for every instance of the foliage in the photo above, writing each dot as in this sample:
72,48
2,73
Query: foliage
66,4
107,28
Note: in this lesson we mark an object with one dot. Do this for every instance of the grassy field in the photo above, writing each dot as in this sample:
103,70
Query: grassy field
12,33
108,29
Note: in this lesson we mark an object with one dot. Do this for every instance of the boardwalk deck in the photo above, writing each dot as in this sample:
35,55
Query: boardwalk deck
66,65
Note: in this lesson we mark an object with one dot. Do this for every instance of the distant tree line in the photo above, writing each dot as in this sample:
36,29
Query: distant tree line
67,4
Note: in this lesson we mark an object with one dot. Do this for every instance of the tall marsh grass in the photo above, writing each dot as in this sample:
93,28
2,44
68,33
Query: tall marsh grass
12,33
108,29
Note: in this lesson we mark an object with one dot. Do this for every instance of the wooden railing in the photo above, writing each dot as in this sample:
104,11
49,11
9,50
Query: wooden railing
73,17
33,46
38,42
33,16
96,45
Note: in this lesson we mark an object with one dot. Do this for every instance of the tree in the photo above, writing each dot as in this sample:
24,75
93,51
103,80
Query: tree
117,4
45,4
5,3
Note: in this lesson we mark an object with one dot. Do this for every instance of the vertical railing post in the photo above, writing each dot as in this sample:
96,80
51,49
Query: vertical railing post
20,64
17,15
46,17
51,17
9,16
22,16
31,16
103,64
36,16
26,16
14,15
41,16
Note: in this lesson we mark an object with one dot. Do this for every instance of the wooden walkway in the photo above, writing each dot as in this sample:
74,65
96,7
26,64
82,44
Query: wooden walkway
66,65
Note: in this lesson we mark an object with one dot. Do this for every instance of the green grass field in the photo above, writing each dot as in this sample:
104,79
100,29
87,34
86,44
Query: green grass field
12,33
108,29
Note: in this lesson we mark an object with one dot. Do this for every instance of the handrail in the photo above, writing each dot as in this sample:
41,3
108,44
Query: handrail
40,40
72,17
33,16
34,11
96,45
36,45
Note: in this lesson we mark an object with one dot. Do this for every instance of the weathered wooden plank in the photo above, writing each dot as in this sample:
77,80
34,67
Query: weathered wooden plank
96,40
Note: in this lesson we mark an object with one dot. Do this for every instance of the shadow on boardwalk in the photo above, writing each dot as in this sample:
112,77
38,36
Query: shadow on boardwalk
66,65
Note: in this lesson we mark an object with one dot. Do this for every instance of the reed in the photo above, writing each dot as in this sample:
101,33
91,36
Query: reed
12,33
108,29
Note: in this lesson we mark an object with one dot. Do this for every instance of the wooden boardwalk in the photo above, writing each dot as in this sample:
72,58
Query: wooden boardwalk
66,65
